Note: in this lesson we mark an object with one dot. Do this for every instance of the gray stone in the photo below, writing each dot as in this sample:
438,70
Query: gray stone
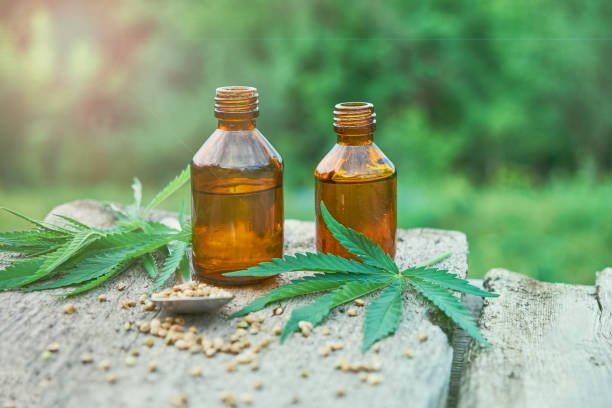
29,322
551,345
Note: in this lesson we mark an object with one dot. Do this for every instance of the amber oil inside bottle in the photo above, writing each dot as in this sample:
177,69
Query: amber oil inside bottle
237,193
357,182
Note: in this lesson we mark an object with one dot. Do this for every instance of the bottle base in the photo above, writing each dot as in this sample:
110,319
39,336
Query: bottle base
220,280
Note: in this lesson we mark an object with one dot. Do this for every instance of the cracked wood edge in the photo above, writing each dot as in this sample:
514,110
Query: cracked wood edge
551,345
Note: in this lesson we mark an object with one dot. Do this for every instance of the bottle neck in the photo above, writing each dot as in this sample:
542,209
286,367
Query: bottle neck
236,107
236,124
355,140
354,123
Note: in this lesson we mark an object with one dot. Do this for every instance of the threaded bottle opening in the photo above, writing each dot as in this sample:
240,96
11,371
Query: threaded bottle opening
354,115
236,102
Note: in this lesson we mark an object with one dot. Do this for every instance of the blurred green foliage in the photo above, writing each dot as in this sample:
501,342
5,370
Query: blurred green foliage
493,112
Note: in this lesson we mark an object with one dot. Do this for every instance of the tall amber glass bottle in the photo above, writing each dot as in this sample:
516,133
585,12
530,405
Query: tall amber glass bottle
237,192
357,182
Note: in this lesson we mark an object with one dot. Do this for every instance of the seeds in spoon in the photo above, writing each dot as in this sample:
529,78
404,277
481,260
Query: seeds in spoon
191,289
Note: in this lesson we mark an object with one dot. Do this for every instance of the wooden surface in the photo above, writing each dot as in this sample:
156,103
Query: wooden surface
552,345
293,373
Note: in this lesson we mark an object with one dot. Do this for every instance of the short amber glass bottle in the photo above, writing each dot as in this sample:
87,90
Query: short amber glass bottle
357,182
237,192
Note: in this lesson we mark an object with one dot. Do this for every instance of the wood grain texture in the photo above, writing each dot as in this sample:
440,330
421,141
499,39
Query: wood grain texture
552,345
31,321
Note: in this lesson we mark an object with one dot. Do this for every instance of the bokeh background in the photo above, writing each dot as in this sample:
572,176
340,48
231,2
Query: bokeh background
497,114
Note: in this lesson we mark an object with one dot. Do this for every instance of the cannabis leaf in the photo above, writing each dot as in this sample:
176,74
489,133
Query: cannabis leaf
342,280
383,314
83,257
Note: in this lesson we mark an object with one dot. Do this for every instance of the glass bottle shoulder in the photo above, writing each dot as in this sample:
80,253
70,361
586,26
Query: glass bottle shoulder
354,163
239,149
236,161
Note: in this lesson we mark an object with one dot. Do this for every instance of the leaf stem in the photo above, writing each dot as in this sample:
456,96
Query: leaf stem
435,260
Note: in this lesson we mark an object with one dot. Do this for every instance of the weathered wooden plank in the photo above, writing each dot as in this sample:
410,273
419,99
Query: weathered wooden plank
30,321
552,345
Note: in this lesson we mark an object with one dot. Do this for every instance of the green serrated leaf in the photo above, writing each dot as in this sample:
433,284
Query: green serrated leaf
181,214
450,305
383,315
314,313
184,269
150,265
19,271
299,287
176,252
137,190
74,223
447,280
347,292
170,189
30,242
46,226
96,282
358,244
309,261
62,254
95,266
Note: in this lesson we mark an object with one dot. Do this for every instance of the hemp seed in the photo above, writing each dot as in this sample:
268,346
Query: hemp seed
196,371
228,399
104,365
87,358
247,399
120,286
130,361
305,327
408,354
423,338
69,308
360,302
128,303
179,401
340,392
352,312
111,378
149,342
152,366
277,311
102,298
375,379
53,347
